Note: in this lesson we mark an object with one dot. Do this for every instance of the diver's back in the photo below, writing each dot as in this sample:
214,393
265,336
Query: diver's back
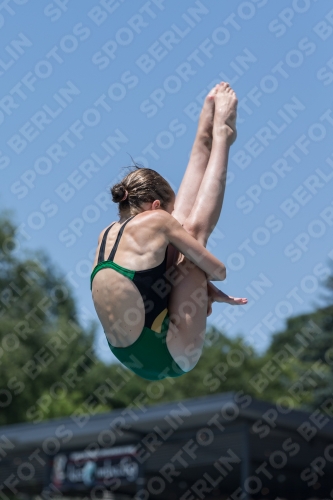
130,259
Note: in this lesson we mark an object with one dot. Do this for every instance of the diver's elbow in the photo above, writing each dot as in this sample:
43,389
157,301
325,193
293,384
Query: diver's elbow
221,273
224,272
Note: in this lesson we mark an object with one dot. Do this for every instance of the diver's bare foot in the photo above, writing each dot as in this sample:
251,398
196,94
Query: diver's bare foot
225,112
206,119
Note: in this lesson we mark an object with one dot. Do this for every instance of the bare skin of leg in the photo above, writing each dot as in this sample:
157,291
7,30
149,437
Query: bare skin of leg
188,299
190,185
198,161
207,207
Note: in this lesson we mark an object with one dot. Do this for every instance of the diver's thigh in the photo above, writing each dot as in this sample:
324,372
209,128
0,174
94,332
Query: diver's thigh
188,312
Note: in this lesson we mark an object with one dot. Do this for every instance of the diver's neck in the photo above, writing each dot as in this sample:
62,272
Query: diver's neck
124,217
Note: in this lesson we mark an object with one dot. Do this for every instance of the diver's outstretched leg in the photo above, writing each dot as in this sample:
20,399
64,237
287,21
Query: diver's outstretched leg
190,185
208,203
198,161
188,299
195,169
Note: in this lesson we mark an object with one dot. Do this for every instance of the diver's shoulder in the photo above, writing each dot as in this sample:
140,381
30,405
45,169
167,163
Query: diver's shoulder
154,216
101,234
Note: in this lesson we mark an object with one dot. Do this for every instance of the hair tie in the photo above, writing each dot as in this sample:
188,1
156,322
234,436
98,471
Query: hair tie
125,196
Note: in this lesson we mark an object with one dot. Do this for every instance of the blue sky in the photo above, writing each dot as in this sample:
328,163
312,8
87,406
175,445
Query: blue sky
85,86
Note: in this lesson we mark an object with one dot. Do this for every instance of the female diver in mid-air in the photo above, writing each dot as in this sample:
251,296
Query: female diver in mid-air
150,277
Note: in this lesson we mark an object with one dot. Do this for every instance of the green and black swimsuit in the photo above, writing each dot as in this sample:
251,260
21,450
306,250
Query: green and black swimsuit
149,355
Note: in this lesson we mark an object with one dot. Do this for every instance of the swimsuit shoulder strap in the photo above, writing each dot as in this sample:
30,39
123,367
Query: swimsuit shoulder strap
115,247
102,247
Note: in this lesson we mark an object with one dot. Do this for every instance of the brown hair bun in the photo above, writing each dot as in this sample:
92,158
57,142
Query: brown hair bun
118,193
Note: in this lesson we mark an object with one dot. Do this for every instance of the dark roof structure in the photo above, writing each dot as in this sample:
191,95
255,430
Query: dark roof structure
226,446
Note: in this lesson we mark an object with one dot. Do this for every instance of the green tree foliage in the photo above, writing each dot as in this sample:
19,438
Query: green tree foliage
40,337
307,346
303,354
